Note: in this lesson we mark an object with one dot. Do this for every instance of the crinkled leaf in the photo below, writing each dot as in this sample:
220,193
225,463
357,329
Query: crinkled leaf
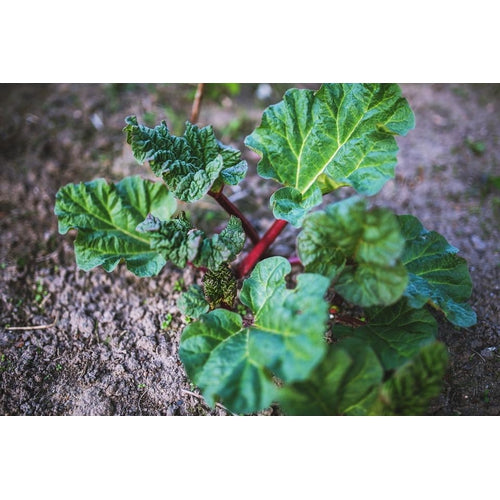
436,274
220,287
106,216
412,386
222,247
396,333
286,339
235,169
340,135
345,382
192,302
180,243
358,248
176,240
190,164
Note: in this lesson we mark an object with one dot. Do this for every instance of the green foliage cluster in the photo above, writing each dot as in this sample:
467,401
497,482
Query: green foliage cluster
262,335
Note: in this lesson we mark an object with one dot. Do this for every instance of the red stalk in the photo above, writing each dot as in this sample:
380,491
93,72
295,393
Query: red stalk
232,209
262,245
223,201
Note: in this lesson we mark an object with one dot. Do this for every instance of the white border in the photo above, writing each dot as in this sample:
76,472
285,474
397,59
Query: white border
428,41
249,457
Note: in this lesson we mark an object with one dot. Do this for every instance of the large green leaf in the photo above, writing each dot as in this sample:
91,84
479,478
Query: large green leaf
106,216
237,363
396,333
346,382
341,135
180,243
411,387
200,338
358,248
437,275
191,164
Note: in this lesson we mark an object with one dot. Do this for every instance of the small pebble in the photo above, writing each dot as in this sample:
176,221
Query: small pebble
488,353
264,91
96,121
478,243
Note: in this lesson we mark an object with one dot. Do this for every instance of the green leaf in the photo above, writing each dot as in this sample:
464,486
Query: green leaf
190,164
235,169
341,135
200,338
291,205
285,340
396,333
411,387
180,243
176,240
436,274
358,248
106,216
367,285
192,302
222,247
346,382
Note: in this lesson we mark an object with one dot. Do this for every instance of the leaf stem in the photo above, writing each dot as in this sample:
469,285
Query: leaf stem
195,110
350,321
262,245
295,261
232,209
222,199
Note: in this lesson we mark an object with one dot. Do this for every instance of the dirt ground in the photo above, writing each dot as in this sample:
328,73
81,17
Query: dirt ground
107,343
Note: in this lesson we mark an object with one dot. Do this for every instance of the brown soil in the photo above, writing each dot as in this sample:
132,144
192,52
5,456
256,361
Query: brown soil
112,346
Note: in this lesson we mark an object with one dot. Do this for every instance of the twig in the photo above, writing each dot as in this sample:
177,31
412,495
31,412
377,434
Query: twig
42,303
195,110
139,402
35,327
198,396
46,257
475,352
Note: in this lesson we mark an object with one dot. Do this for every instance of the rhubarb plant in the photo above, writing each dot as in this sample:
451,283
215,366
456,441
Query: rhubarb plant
351,328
